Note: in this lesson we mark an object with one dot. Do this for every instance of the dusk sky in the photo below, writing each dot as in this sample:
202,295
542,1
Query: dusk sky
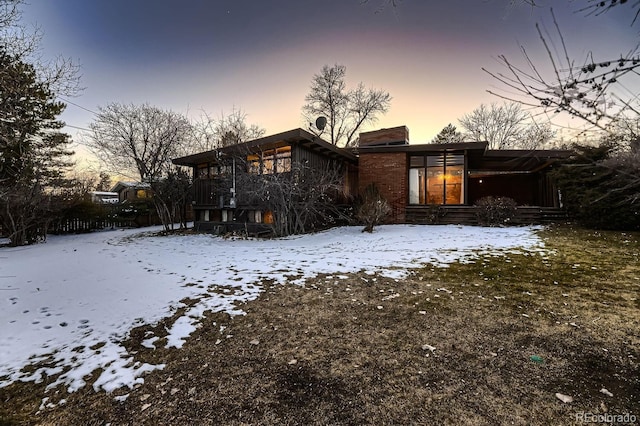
260,56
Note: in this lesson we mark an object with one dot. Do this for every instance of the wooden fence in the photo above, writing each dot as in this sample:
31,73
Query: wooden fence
78,226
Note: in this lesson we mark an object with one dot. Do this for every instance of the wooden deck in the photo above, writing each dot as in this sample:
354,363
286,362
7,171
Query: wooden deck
466,215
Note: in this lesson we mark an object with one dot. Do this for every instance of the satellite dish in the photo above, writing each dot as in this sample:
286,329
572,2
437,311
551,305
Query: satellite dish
321,122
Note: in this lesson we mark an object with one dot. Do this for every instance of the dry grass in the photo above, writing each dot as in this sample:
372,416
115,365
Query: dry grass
352,351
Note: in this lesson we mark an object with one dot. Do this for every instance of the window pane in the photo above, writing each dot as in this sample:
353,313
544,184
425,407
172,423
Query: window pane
455,184
202,171
225,169
283,159
284,165
435,161
455,159
435,185
267,166
414,185
416,161
253,164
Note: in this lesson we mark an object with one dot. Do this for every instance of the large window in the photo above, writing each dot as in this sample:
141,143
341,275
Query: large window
272,161
210,171
436,179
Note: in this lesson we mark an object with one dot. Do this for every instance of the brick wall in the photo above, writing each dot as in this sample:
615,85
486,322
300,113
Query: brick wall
389,172
384,136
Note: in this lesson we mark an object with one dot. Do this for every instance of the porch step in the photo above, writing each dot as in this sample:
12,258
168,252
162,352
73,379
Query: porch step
466,215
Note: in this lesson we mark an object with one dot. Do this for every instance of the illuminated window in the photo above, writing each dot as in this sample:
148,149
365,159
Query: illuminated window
268,164
268,217
436,179
283,159
142,193
271,161
253,164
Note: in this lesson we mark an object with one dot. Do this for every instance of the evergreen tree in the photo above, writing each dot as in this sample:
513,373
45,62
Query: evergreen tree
448,135
33,151
104,184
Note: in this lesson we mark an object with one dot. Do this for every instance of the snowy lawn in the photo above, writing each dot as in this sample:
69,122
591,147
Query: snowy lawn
68,304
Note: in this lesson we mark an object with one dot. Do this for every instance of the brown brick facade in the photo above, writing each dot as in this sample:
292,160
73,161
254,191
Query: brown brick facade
385,136
389,172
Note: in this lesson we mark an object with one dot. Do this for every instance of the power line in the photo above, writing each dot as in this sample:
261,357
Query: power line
76,105
76,127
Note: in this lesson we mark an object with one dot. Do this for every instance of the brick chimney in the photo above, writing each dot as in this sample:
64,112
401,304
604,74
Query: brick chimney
393,136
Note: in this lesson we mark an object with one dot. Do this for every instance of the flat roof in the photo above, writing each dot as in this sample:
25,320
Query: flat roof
296,136
424,147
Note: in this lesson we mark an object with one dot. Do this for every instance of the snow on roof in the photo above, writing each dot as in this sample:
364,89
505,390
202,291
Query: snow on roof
104,193
130,184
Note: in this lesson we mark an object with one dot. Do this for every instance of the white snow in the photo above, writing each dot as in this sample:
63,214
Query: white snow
71,301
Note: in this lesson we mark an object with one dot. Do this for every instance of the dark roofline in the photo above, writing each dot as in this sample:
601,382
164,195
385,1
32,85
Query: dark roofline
424,147
298,135
467,146
548,153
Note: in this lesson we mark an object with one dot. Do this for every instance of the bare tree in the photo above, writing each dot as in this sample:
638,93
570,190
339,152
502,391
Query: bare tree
104,182
374,208
33,152
302,200
171,196
212,133
346,111
596,92
137,139
589,7
60,74
505,126
131,139
599,94
382,4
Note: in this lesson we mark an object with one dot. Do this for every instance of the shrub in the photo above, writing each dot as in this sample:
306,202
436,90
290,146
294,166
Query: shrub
434,213
495,211
373,209
600,187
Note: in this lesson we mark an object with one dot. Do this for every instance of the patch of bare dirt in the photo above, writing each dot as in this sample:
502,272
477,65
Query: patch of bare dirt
490,342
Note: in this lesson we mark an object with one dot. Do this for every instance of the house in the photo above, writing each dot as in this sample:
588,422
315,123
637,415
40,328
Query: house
223,198
104,197
132,191
413,178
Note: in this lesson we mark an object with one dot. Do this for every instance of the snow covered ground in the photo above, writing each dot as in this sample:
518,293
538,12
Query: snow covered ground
72,300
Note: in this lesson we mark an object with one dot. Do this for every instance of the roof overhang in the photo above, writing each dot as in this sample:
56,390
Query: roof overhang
518,159
426,147
292,137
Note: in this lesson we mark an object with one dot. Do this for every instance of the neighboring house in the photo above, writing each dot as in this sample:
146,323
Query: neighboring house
454,176
104,197
132,191
413,178
222,200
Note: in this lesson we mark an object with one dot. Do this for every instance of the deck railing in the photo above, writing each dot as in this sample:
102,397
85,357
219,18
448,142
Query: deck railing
467,215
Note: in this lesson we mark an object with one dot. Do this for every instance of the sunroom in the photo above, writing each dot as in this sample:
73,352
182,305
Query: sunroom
450,178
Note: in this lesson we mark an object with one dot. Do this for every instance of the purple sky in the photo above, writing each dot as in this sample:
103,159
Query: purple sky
260,55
